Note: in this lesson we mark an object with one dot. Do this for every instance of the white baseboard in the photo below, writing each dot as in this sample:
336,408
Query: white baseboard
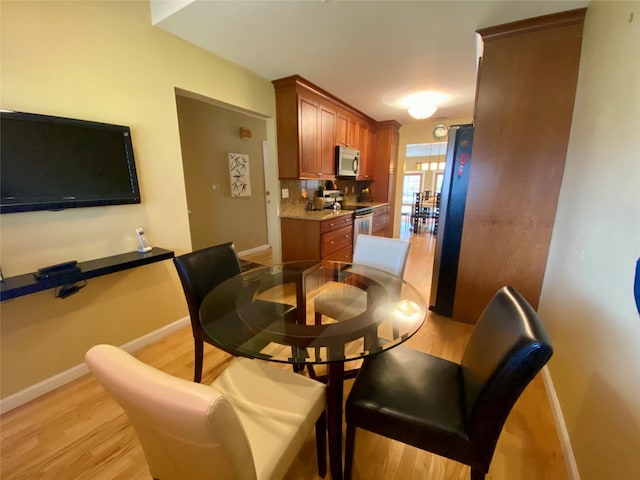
561,426
254,250
30,393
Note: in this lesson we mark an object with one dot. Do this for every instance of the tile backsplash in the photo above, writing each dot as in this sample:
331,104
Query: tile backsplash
297,187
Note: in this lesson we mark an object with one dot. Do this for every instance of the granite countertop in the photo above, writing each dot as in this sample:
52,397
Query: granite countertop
299,212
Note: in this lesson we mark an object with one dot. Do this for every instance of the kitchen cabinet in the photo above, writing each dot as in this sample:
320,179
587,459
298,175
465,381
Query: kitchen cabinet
387,139
352,132
310,123
309,126
366,138
327,140
381,226
341,128
524,105
330,239
306,133
317,138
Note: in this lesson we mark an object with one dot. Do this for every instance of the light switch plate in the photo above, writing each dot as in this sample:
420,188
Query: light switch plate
285,193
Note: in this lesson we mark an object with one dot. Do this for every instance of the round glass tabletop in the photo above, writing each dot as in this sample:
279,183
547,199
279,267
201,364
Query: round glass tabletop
311,312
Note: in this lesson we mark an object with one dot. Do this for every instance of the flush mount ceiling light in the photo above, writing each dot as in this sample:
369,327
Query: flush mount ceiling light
422,105
422,110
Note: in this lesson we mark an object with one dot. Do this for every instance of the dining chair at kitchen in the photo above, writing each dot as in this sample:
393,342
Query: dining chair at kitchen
455,410
384,253
436,213
200,271
250,423
422,210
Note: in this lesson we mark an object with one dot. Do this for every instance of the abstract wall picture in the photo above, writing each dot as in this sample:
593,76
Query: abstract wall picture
239,172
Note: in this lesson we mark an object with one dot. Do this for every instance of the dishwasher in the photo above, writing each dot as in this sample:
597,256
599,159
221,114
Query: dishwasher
362,222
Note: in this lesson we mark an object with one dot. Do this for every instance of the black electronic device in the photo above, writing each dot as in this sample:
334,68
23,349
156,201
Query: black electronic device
53,163
58,270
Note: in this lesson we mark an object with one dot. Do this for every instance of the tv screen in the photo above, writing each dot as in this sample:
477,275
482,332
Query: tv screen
53,163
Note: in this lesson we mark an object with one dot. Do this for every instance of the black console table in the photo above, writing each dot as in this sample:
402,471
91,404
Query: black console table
20,285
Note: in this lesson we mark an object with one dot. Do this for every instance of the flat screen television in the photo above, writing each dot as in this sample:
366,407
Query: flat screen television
54,163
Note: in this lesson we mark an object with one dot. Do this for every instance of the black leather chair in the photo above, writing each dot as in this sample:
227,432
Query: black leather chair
450,409
200,271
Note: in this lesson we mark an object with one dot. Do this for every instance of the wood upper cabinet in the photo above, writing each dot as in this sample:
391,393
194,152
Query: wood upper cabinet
306,133
308,112
352,132
327,139
366,138
341,128
311,122
524,106
317,124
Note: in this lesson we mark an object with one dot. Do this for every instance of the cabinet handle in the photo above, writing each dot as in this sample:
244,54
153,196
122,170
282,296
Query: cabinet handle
331,242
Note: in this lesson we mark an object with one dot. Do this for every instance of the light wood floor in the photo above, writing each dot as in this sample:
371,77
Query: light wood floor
77,432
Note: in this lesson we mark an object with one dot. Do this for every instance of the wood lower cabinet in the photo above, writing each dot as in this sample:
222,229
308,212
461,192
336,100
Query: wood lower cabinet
330,239
381,224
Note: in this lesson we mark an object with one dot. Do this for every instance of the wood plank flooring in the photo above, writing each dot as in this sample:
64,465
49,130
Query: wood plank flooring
78,432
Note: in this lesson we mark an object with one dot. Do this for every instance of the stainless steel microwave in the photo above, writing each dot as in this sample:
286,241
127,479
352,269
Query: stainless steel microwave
347,162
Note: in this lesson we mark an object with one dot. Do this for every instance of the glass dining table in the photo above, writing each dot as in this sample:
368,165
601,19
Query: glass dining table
310,313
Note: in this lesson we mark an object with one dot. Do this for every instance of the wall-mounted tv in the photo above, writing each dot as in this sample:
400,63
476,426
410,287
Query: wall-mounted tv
53,163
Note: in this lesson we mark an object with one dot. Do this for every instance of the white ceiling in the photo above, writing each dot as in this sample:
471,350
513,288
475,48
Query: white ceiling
366,53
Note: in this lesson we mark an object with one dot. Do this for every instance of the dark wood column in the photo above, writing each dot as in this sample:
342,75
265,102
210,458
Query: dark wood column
524,105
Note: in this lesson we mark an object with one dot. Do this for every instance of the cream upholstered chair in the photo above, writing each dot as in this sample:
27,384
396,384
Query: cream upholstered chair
383,253
249,424
346,301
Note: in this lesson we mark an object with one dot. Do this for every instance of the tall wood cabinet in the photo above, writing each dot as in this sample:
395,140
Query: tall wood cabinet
386,164
525,96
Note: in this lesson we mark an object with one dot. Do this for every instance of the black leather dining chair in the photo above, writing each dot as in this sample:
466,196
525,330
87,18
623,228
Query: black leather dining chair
456,410
201,271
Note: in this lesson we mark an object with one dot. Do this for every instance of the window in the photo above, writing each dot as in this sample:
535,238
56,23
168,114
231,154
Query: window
412,184
437,187
426,149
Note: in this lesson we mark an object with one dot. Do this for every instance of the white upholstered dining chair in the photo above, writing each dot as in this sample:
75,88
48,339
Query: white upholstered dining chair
250,423
384,253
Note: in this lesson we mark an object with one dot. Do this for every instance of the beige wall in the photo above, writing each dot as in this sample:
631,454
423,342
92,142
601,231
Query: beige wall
103,61
207,134
587,296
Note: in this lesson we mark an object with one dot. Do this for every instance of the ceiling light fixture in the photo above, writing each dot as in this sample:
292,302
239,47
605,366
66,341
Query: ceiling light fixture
422,104
422,110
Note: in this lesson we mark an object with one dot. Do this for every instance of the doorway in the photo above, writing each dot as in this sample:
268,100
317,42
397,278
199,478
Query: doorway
209,134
